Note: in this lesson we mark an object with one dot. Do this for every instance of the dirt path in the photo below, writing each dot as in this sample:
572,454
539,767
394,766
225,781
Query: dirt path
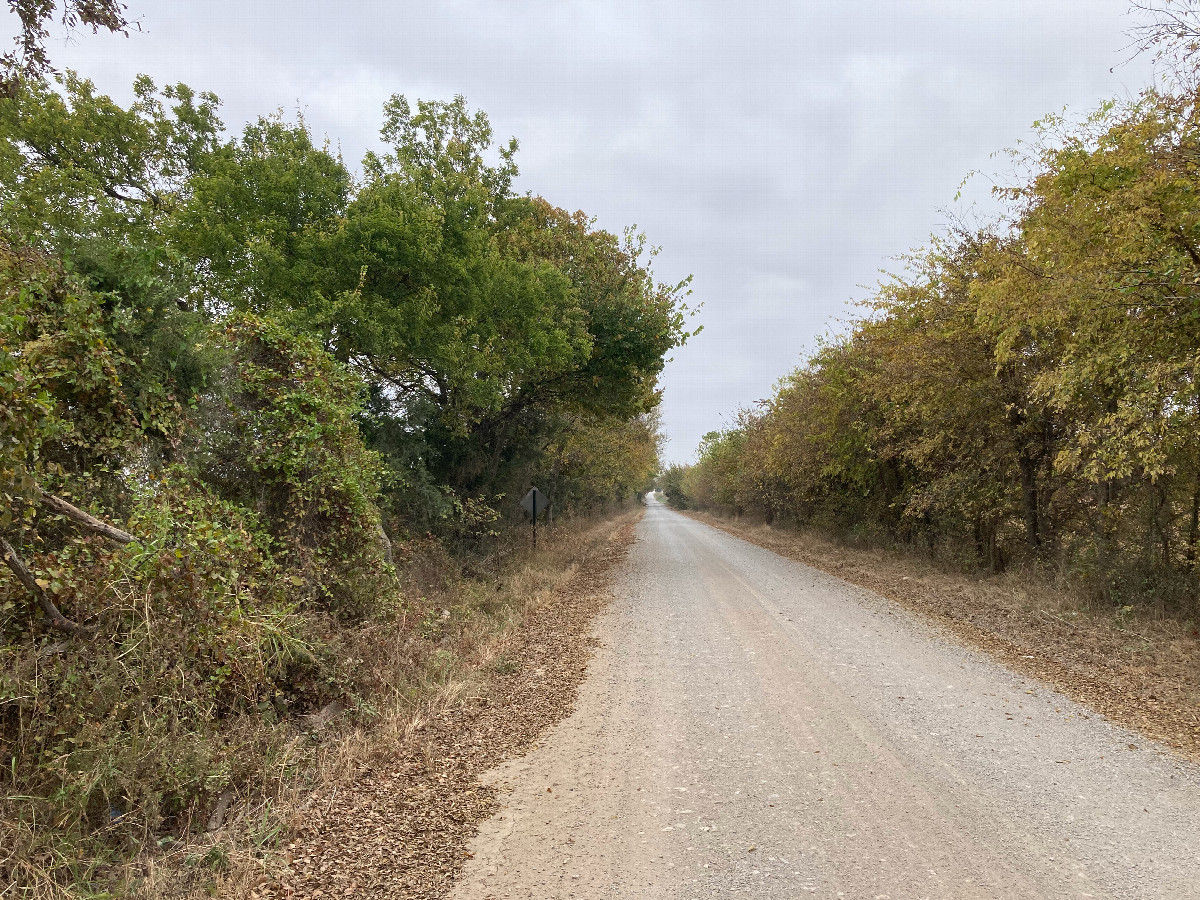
753,726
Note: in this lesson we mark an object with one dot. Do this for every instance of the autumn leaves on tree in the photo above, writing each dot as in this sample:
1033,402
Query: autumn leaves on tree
1026,390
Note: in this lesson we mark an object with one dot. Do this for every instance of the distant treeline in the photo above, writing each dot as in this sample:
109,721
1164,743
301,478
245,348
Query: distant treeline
1028,391
239,383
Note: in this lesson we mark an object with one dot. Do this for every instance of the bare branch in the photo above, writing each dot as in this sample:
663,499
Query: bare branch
30,59
85,520
57,619
1171,31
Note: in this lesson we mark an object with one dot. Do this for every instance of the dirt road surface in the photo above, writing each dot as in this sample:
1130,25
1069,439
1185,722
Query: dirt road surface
756,728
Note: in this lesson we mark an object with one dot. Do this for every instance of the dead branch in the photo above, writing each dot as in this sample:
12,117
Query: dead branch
57,619
217,818
85,520
18,567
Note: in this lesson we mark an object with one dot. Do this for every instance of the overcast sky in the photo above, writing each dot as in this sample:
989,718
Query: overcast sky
782,153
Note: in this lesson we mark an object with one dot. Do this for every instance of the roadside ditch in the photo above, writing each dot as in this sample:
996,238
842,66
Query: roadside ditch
399,820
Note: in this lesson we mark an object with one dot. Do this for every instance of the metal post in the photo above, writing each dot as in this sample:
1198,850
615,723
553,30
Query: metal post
535,496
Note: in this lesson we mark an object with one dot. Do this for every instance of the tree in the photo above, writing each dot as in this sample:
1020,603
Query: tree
485,325
257,213
30,62
1170,30
76,166
482,321
1033,389
671,482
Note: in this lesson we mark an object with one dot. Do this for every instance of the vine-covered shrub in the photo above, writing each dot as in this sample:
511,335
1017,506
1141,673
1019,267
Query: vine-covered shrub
203,628
280,438
63,409
193,631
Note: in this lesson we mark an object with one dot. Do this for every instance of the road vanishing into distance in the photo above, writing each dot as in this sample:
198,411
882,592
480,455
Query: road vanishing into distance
753,727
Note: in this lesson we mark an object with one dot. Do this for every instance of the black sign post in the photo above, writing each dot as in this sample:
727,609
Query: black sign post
534,501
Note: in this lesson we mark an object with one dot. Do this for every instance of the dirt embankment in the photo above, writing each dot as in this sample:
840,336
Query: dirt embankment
1138,669
400,825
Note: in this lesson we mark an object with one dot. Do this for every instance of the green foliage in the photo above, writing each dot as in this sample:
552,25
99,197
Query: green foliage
94,186
280,438
260,368
483,323
255,214
66,410
671,482
602,462
198,623
1104,275
75,166
713,481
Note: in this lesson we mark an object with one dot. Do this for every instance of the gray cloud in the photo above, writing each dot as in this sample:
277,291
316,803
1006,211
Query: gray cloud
780,152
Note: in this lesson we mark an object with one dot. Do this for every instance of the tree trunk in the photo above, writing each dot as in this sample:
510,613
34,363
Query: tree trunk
1193,527
1163,512
987,546
1029,501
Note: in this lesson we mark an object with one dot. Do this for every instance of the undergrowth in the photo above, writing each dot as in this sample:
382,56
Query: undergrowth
437,648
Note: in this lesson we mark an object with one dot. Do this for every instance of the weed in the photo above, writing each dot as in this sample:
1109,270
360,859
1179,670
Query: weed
503,665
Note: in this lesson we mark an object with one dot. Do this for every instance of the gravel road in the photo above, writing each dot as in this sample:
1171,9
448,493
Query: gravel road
754,727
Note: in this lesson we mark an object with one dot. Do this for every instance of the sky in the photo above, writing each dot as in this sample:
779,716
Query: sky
783,154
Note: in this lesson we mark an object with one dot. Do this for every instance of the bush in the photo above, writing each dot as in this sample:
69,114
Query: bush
278,436
211,629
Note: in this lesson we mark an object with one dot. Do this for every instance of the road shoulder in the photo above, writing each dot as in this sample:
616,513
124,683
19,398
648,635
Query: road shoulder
401,828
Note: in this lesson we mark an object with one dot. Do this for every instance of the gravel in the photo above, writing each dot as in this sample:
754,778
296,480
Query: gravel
753,726
1141,672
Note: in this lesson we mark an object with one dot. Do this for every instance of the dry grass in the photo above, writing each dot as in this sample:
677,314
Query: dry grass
1138,667
457,653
